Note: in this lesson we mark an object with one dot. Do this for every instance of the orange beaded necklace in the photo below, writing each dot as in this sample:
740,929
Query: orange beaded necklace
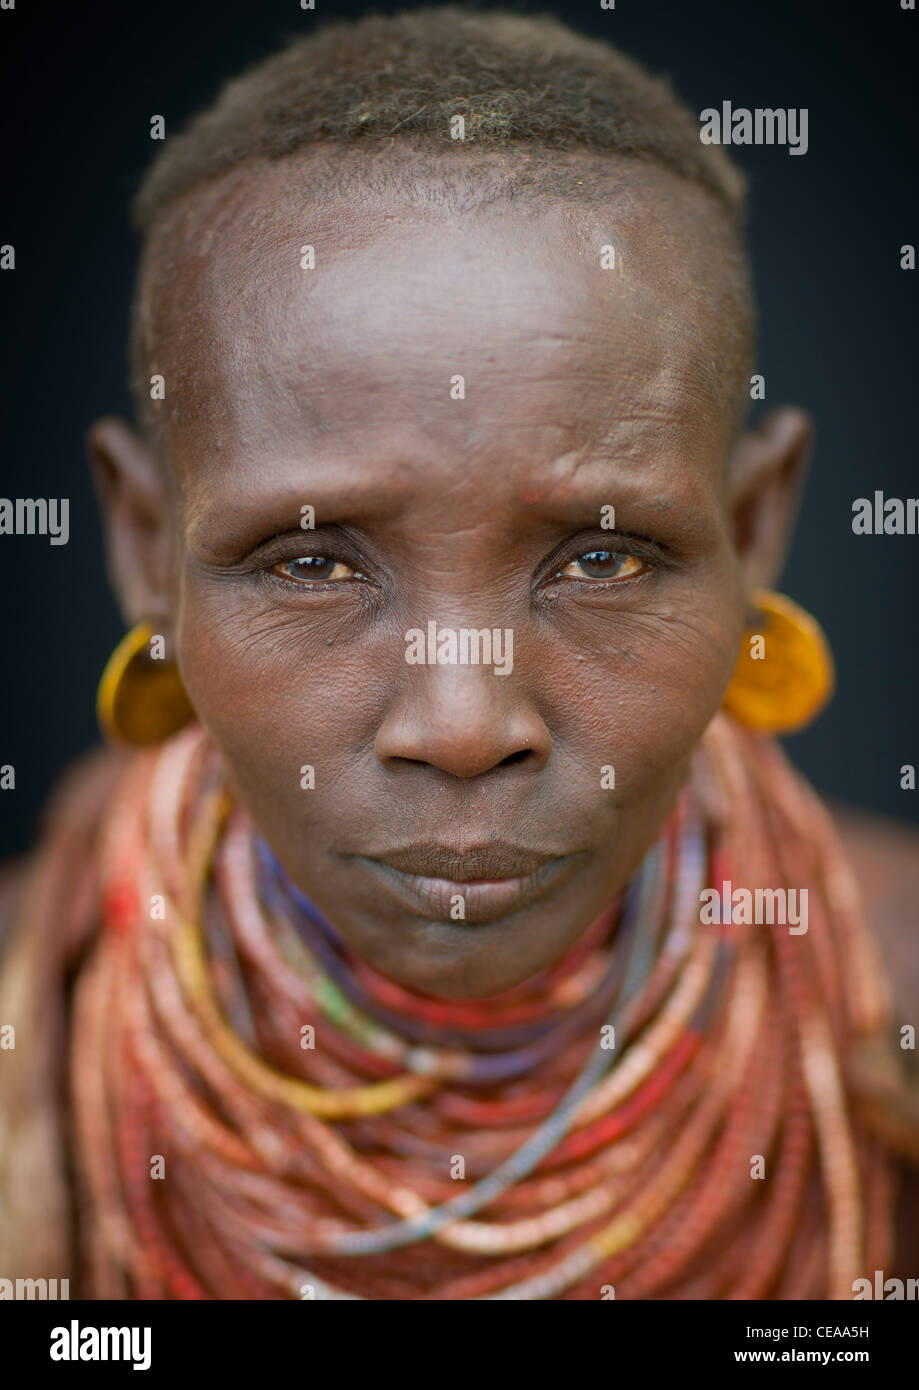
663,1113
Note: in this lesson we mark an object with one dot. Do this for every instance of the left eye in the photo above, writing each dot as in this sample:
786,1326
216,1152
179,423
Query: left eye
314,568
602,564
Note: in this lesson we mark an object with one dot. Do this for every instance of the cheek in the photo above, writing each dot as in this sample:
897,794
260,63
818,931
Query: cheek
275,697
640,705
666,660
647,688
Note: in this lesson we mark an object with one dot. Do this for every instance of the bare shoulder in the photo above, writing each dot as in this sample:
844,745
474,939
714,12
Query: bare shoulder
884,855
68,819
13,874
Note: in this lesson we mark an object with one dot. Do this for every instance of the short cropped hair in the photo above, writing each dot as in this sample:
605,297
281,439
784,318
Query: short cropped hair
526,85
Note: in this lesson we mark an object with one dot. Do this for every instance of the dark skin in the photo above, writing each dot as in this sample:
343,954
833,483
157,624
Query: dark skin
584,388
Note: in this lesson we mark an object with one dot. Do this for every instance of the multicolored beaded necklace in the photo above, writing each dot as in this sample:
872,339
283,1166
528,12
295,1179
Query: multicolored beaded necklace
662,1113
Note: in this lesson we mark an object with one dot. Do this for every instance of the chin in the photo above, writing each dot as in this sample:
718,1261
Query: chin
457,960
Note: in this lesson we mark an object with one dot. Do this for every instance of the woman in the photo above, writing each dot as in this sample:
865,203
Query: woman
444,921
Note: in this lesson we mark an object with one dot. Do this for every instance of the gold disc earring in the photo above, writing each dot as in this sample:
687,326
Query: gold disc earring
784,675
141,698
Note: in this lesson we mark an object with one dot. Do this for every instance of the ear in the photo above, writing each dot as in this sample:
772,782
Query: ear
133,497
767,473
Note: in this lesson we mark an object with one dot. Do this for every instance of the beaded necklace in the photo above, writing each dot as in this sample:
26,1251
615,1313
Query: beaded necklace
259,1114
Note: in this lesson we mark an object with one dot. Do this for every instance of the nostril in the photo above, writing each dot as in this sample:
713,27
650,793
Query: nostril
515,757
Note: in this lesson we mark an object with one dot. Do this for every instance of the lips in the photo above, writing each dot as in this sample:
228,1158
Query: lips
491,880
496,859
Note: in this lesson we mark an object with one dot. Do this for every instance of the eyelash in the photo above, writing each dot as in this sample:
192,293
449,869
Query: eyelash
356,575
638,548
609,582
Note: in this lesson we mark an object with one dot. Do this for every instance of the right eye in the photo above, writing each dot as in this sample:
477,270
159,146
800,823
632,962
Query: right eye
314,569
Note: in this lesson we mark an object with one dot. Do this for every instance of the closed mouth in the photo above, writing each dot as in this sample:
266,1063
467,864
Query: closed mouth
482,884
463,864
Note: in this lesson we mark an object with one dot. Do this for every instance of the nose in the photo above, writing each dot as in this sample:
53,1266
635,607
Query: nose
462,720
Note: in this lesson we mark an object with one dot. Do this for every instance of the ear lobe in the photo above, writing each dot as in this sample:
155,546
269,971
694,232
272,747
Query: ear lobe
766,476
134,502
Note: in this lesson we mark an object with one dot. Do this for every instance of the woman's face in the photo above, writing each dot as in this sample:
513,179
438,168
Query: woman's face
460,401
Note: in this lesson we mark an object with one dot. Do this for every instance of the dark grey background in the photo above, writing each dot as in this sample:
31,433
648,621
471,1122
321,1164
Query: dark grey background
838,326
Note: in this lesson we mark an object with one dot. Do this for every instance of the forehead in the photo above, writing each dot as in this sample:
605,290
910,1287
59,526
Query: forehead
561,318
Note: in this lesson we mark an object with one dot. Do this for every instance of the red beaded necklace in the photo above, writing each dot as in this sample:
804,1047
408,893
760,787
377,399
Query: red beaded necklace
663,1113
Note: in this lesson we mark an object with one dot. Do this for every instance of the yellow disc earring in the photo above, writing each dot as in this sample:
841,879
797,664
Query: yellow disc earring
784,675
141,698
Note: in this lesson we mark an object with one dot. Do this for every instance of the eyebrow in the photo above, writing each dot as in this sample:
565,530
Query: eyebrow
277,509
344,493
600,476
